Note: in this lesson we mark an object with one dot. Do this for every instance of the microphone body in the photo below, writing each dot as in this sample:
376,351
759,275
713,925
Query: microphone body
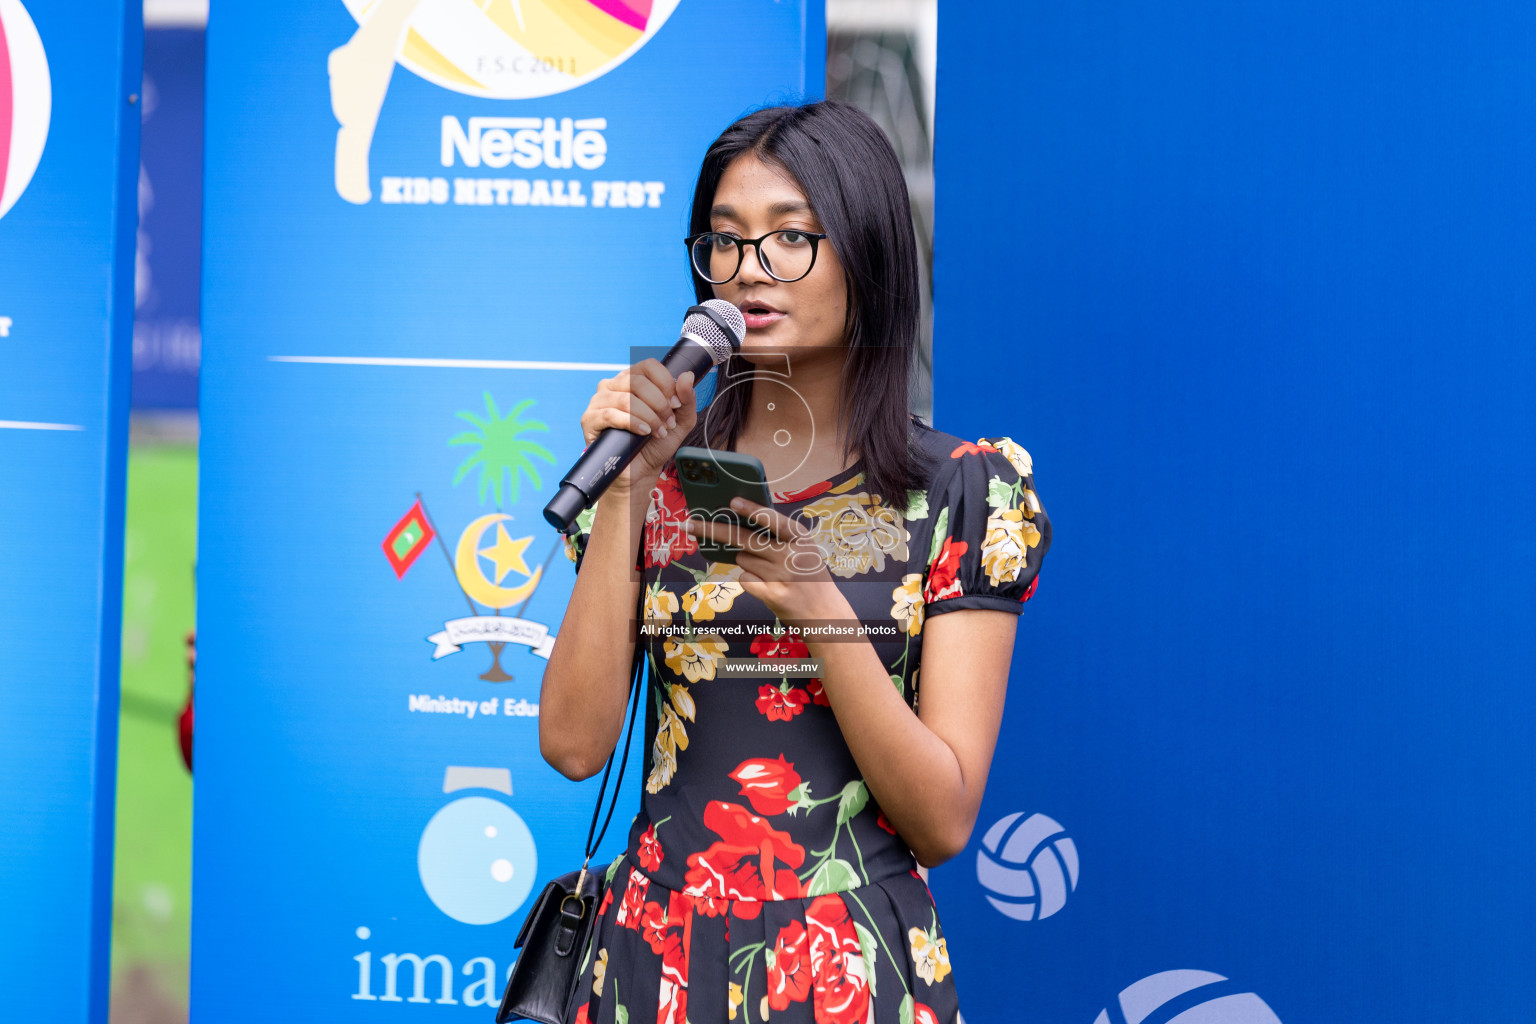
711,333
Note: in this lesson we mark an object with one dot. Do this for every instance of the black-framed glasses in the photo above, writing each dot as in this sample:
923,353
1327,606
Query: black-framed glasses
786,255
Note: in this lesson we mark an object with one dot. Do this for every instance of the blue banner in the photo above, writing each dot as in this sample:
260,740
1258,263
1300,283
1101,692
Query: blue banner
69,131
1265,272
432,227
166,336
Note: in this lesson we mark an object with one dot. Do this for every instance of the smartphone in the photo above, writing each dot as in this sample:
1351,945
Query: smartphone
709,480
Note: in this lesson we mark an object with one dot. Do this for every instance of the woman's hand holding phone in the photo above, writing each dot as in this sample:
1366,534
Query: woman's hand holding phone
782,566
644,399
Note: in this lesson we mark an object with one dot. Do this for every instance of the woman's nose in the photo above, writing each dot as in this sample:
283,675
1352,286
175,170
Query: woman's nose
752,271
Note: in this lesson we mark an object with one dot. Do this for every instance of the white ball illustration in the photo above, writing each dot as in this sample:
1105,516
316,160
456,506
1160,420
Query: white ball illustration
1141,1002
26,97
477,860
1027,865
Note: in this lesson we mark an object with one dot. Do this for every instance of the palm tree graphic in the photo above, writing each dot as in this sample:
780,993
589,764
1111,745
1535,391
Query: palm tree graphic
503,457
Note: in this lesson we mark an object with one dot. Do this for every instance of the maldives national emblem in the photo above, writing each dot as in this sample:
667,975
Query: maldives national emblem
487,552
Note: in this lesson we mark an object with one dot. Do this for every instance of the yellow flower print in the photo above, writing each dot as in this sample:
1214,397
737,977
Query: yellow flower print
855,533
583,530
660,604
715,593
599,968
929,957
663,767
735,998
694,659
682,700
671,736
908,609
1003,552
1014,453
1030,504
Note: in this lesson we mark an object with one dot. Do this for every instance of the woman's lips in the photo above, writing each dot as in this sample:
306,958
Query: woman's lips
759,316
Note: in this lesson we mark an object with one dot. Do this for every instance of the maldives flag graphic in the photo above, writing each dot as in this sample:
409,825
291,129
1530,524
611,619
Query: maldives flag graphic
408,540
26,99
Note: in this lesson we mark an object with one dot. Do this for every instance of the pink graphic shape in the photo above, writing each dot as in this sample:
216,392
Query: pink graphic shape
6,103
634,13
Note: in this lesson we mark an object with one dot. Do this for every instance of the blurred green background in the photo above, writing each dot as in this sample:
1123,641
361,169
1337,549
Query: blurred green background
152,882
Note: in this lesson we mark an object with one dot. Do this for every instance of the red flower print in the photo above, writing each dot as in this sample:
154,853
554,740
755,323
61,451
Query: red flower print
672,1007
1029,592
802,495
818,694
581,1015
711,906
922,1014
665,537
653,926
766,784
841,983
941,578
885,823
741,866
634,901
781,705
966,447
740,827
679,932
602,908
650,849
787,645
789,977
672,1004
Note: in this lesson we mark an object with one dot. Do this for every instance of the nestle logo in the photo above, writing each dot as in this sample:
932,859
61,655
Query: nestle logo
528,142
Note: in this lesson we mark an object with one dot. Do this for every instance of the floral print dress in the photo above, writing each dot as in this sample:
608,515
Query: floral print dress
762,883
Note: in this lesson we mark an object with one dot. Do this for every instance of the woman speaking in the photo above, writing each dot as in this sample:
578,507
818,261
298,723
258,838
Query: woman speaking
770,872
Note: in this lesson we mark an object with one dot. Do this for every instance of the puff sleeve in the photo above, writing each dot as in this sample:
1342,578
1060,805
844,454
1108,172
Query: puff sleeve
989,532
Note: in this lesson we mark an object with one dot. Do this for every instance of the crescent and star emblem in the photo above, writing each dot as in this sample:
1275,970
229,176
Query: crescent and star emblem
506,554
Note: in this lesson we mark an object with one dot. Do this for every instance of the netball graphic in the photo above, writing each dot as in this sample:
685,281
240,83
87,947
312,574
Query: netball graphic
497,49
1028,865
1187,997
26,98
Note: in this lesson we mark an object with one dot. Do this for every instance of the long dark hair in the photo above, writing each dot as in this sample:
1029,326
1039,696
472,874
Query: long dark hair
849,173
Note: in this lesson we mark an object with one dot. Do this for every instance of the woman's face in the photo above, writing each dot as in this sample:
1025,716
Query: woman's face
752,199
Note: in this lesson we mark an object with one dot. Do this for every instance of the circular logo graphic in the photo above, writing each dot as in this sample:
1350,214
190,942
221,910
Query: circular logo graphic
518,49
1027,865
26,101
477,860
778,398
1188,997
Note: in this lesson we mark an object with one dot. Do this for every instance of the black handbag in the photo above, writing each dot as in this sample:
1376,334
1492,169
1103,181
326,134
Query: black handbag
559,927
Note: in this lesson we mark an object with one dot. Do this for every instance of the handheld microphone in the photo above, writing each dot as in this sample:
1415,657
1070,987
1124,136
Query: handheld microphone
711,333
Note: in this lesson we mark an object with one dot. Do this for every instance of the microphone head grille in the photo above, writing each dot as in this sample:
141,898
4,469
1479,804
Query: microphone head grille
706,330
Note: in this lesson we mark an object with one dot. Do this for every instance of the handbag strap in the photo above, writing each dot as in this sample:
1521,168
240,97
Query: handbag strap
636,674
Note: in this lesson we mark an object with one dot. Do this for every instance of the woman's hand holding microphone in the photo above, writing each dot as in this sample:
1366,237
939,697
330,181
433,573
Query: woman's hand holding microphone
646,400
